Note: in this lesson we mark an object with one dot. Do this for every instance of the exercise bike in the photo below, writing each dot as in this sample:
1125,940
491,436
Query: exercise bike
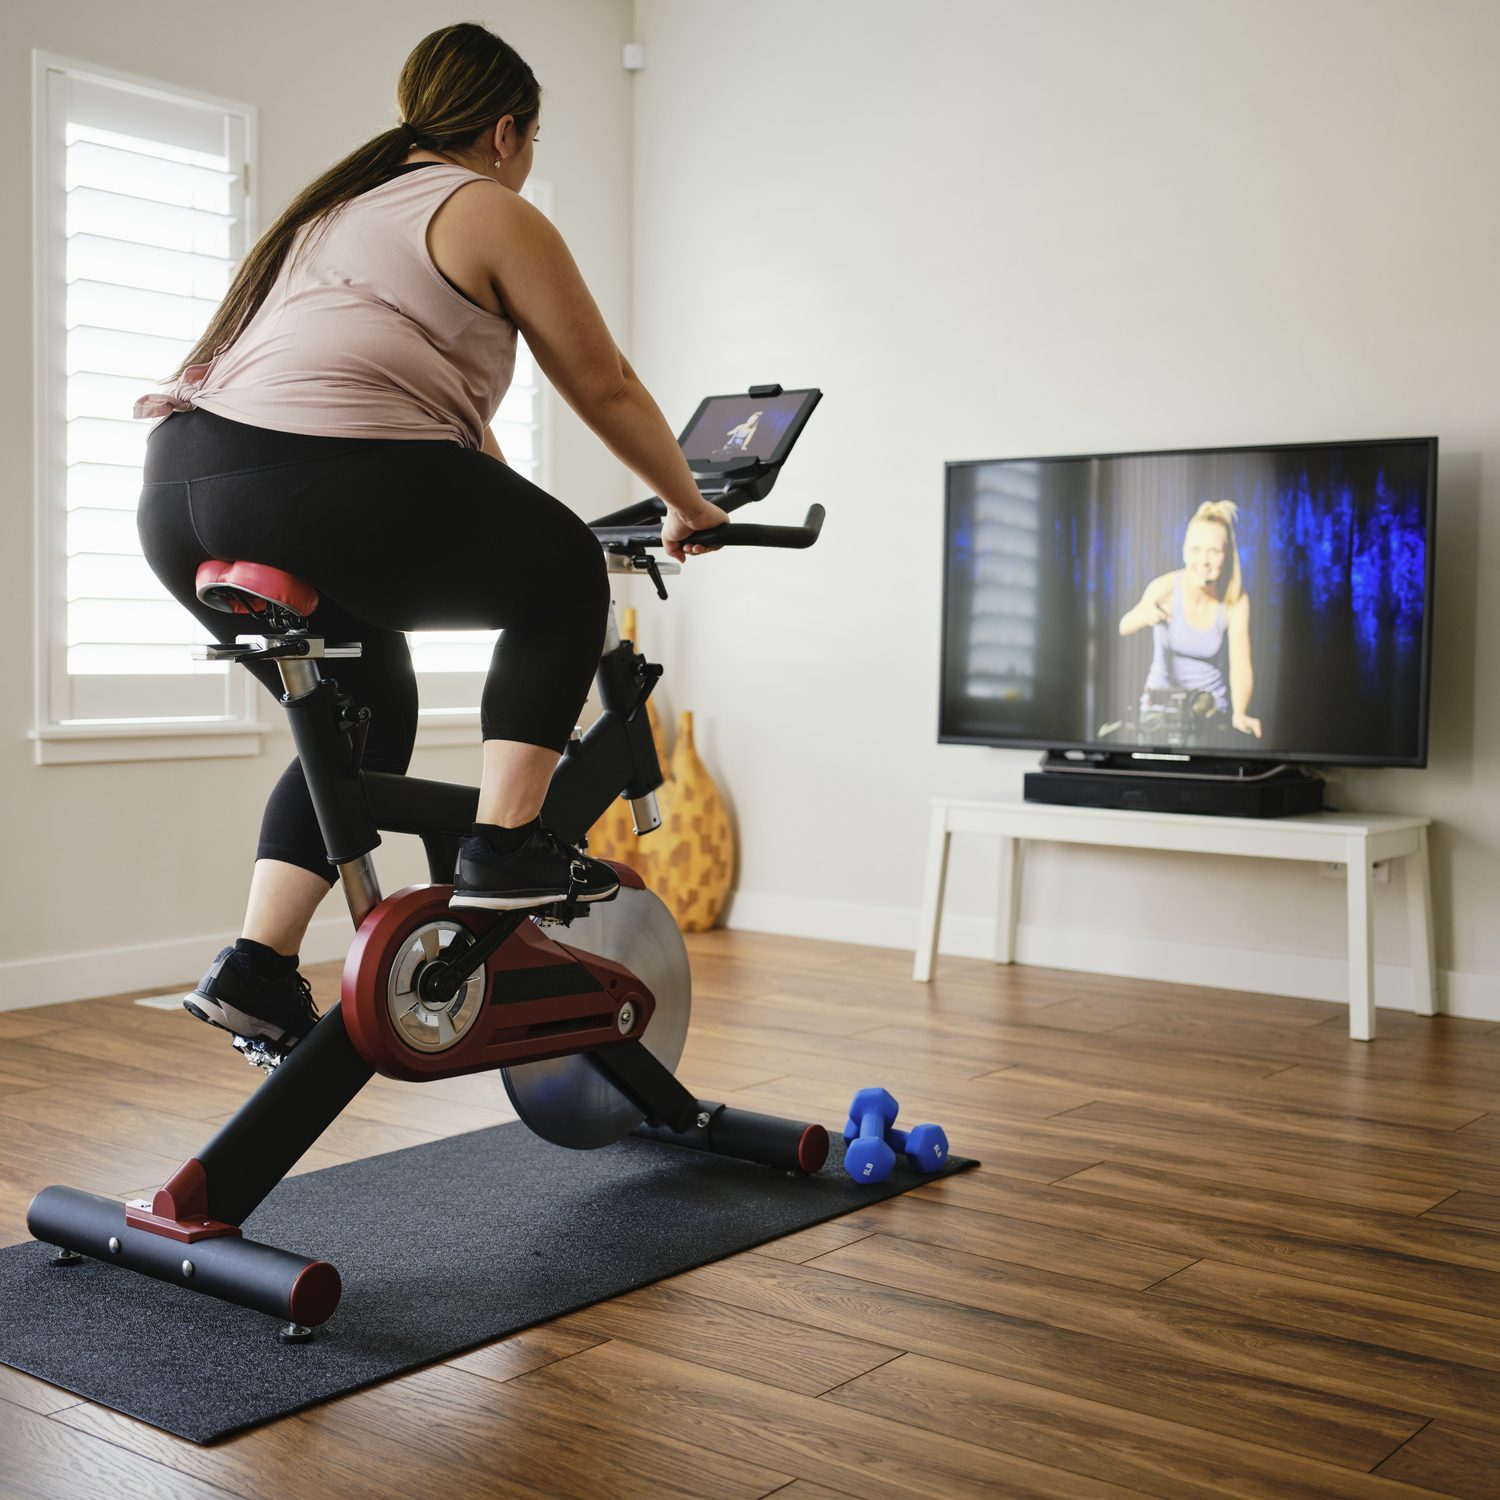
586,1033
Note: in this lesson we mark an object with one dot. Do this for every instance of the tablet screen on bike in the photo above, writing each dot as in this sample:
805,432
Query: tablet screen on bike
737,429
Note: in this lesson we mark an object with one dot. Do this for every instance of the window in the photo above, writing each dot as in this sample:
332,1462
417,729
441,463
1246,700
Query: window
142,212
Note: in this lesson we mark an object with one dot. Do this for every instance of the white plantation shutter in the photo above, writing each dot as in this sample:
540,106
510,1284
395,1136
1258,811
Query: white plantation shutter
150,247
451,664
142,218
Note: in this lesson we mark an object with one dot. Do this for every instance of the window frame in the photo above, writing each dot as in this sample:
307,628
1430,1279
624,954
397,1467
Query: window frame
57,740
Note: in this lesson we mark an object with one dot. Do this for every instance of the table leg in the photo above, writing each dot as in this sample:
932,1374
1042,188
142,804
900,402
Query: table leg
1008,900
932,895
1361,947
1419,926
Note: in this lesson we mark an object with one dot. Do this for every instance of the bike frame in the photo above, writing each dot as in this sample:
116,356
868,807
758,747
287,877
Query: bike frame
617,757
189,1233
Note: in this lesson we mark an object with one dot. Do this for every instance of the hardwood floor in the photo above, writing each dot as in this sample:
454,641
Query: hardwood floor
1215,1248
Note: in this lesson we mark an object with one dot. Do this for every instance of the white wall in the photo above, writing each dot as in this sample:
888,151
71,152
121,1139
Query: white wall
122,876
983,227
1008,227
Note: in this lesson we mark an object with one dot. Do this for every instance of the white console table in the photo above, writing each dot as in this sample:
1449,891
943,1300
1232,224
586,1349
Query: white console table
1358,841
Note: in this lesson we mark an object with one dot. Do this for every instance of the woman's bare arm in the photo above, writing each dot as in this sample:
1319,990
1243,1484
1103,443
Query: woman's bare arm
542,289
1152,610
1241,673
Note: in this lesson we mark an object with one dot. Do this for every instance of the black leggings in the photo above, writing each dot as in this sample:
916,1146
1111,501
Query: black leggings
395,535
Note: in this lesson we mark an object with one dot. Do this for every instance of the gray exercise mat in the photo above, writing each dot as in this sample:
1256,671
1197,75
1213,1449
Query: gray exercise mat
442,1247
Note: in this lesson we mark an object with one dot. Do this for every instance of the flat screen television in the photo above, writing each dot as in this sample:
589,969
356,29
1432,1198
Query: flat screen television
1264,603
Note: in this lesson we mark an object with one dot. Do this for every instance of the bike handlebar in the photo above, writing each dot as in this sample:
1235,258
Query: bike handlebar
746,534
648,511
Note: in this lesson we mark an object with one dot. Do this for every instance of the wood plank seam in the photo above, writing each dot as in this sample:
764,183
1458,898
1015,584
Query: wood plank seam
1399,1446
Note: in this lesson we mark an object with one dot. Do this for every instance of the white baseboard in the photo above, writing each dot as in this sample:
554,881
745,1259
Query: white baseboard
1302,975
109,971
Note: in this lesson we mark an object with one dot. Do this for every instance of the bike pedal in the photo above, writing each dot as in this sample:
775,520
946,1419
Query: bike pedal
259,1053
561,914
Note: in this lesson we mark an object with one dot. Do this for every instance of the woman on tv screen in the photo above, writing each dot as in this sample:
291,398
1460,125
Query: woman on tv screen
1195,613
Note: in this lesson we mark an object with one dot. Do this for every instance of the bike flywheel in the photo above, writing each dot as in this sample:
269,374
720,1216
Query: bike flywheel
566,1100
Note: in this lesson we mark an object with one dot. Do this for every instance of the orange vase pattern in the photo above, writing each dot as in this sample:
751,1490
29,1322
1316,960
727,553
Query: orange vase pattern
692,863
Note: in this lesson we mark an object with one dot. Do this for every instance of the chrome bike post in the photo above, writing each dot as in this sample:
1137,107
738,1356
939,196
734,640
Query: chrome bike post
645,814
299,675
361,888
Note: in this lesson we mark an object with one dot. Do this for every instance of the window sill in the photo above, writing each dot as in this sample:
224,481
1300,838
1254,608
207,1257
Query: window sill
441,728
91,744
154,739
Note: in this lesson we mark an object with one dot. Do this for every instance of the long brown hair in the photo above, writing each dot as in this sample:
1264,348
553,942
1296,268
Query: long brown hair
457,83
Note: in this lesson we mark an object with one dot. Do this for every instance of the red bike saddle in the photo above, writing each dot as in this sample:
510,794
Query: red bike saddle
246,588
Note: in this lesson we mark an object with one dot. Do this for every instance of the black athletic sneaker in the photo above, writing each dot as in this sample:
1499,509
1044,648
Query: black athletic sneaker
237,998
545,869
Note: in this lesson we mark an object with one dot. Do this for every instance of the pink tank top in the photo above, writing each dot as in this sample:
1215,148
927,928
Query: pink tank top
362,337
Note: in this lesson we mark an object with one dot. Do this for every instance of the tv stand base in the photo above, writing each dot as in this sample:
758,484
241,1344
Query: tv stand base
1358,841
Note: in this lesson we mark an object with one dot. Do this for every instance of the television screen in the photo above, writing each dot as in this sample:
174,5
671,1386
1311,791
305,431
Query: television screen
1270,603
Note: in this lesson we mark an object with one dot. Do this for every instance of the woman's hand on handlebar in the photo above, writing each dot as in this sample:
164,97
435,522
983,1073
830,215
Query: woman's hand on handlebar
677,524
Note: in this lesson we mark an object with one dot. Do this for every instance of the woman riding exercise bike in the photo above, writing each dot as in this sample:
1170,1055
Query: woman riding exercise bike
333,421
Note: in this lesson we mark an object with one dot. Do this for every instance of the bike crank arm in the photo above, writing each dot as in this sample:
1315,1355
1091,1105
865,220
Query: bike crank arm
441,981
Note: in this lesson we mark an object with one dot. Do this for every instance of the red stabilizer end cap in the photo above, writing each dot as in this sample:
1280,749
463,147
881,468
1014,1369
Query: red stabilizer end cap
812,1149
315,1294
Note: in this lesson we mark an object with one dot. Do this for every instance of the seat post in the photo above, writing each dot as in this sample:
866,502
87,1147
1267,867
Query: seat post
300,677
283,604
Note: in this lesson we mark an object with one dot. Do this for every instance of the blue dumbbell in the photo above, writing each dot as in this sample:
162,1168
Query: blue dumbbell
926,1147
871,1115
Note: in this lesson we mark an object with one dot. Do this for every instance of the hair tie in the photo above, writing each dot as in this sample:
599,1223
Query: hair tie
411,130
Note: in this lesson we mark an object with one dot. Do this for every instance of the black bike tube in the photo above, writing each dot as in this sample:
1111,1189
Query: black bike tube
333,781
274,1128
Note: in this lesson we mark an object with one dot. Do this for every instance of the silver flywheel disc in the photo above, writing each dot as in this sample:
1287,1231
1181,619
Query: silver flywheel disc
566,1100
